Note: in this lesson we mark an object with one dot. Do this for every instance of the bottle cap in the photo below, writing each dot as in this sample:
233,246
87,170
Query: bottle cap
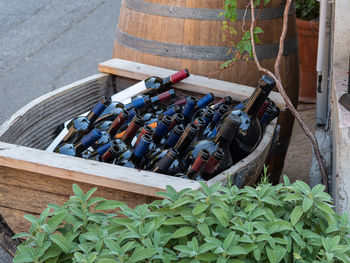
90,138
267,83
179,76
143,145
206,100
101,106
189,106
178,118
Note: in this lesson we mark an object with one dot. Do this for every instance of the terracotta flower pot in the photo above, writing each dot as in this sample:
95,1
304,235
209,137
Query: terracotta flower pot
308,41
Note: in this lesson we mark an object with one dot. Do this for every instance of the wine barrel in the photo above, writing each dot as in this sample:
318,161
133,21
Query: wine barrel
177,34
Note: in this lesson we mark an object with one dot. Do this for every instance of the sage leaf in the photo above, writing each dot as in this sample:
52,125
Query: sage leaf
200,208
142,254
307,203
221,215
61,242
296,214
109,204
183,231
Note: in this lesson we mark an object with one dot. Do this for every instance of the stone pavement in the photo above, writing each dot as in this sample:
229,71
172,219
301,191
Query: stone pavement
46,44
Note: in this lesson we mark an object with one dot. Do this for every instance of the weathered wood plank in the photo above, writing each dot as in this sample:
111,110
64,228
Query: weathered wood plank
15,220
194,83
63,187
88,171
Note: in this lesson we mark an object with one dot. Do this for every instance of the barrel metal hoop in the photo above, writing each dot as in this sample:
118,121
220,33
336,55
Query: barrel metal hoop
202,13
211,53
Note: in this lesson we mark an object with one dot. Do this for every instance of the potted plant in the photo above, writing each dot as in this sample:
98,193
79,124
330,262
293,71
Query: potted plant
307,12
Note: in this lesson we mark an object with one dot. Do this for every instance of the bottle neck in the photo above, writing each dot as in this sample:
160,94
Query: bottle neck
259,96
132,129
118,122
212,164
140,150
166,161
110,155
186,139
227,131
174,137
197,165
146,130
87,141
98,109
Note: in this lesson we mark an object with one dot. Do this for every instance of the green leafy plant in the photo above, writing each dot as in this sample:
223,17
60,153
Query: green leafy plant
307,9
283,223
242,49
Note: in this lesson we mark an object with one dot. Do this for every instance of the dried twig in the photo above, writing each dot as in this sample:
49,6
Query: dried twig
280,88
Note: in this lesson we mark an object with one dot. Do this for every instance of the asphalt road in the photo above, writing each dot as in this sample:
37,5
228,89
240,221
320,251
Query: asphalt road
46,44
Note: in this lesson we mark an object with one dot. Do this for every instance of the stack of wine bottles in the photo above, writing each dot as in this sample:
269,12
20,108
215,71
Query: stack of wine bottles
159,131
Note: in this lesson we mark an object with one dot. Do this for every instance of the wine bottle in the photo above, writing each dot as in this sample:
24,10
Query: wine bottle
210,168
222,140
118,122
188,109
195,168
224,101
135,159
218,115
264,108
82,125
249,133
161,130
145,130
98,153
77,148
177,119
205,101
150,86
166,161
181,146
132,129
174,136
111,154
271,112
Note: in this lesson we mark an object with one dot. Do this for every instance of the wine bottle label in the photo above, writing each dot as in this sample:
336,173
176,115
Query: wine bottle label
124,96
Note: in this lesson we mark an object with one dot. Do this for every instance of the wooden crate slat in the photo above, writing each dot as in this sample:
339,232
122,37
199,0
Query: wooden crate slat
195,83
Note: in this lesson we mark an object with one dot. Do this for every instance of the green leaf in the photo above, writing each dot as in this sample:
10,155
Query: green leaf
52,252
183,231
22,234
182,201
175,221
296,214
89,193
236,251
228,240
109,204
56,220
21,258
78,192
200,208
183,248
307,203
142,254
302,186
60,241
204,229
94,200
325,208
271,254
221,215
31,219
258,30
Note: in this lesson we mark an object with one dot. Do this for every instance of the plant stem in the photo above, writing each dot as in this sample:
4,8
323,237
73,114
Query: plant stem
280,88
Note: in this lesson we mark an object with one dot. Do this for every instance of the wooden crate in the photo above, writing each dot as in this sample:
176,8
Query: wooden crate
30,177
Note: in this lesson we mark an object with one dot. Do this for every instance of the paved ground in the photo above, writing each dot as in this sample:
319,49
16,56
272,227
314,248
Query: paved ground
45,44
298,159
